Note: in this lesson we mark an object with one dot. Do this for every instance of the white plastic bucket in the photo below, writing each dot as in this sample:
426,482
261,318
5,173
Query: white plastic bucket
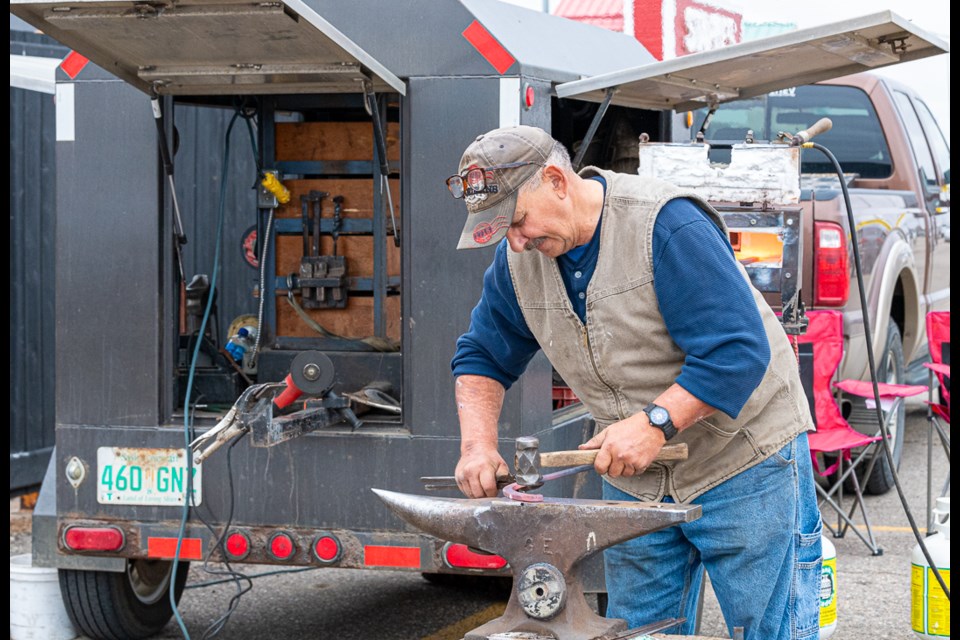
36,608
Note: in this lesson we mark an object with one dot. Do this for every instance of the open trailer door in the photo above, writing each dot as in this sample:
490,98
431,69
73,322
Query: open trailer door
212,47
760,66
758,192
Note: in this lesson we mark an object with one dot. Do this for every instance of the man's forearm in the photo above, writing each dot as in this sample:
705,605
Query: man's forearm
479,401
684,407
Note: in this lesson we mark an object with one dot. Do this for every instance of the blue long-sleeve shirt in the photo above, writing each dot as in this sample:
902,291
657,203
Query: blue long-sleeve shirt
705,302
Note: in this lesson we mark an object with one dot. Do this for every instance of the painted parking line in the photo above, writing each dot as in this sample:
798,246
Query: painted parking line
458,629
883,527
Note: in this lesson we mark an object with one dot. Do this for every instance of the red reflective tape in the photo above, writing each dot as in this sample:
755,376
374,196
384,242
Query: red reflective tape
73,64
375,556
491,50
190,548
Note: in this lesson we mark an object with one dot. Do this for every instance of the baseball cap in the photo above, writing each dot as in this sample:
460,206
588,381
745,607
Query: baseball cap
490,211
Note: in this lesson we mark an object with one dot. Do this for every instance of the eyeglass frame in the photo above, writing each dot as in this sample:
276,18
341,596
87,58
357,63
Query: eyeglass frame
464,187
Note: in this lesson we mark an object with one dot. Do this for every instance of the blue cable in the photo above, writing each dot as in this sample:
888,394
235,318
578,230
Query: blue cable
193,364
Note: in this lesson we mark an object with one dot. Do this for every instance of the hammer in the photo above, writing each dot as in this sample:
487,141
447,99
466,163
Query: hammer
529,460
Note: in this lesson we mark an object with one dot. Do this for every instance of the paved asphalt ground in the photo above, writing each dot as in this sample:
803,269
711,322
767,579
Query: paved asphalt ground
874,592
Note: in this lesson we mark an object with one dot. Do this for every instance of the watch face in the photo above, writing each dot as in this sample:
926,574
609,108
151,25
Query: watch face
659,415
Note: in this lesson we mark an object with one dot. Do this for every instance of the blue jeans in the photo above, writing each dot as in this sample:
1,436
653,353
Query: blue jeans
758,538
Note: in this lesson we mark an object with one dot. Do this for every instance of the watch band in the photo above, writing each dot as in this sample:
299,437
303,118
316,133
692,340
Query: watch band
660,418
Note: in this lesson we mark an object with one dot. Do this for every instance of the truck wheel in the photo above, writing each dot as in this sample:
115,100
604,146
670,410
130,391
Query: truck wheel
889,369
107,605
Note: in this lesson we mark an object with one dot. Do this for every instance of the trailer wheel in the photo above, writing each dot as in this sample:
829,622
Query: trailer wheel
889,369
107,605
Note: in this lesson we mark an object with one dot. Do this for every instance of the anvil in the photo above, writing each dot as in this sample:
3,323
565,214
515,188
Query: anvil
545,544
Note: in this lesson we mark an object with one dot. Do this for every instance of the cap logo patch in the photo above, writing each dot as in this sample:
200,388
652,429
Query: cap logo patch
484,232
479,184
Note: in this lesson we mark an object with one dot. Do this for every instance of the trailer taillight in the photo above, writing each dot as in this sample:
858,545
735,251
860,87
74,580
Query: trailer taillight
460,556
326,548
831,278
281,546
237,546
93,539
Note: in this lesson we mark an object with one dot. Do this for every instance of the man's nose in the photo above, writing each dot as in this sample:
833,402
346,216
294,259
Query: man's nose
516,239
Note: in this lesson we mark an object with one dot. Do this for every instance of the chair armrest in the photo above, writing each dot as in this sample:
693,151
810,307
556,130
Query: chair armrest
936,367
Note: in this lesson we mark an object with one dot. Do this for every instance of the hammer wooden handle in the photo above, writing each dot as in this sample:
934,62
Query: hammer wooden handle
587,456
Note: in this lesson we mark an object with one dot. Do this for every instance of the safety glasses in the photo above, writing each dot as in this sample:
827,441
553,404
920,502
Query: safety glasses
474,180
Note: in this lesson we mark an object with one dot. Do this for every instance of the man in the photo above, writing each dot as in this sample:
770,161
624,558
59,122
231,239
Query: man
631,288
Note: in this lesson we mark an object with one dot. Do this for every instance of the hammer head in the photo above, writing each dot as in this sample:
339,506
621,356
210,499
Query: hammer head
526,464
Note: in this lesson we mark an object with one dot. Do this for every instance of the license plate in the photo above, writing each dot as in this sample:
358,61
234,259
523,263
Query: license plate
145,477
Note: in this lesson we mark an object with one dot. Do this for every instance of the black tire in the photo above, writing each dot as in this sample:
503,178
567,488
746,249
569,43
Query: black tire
134,604
889,369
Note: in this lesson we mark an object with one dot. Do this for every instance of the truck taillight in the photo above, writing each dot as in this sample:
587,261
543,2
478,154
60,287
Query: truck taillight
237,546
281,546
460,556
93,539
831,277
326,548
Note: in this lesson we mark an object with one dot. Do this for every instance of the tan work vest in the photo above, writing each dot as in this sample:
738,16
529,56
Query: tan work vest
624,358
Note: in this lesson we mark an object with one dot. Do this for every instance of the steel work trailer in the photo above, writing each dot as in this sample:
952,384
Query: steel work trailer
344,282
352,114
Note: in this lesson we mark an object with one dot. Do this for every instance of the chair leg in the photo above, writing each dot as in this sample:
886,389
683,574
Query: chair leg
933,423
877,551
842,517
845,518
929,470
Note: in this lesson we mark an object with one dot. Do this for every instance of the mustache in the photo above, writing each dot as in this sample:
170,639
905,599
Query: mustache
533,244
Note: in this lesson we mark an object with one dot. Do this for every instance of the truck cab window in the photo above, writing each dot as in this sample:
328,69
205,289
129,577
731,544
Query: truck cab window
918,142
938,143
856,138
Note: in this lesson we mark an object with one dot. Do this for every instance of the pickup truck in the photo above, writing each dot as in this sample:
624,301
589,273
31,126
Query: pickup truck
896,163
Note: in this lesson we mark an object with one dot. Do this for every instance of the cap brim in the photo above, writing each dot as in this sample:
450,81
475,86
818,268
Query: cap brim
485,228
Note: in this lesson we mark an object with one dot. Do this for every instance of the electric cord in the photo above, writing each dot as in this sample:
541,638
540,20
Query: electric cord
249,576
248,116
191,376
263,283
873,369
235,576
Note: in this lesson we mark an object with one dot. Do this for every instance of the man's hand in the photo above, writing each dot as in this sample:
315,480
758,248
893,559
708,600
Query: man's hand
477,471
627,447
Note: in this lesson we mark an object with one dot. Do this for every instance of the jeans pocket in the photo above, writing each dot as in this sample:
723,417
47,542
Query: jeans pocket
787,453
806,596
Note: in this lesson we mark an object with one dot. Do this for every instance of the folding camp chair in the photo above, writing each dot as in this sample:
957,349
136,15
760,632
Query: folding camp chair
834,435
938,413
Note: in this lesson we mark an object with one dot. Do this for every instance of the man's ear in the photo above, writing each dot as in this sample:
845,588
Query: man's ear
557,179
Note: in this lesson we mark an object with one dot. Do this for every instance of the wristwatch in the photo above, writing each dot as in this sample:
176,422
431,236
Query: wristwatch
660,418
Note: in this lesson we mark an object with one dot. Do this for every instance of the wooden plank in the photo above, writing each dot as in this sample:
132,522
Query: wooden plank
358,250
355,321
357,197
357,203
315,141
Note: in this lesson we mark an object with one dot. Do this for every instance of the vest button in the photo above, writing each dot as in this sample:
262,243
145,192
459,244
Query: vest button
577,274
582,295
